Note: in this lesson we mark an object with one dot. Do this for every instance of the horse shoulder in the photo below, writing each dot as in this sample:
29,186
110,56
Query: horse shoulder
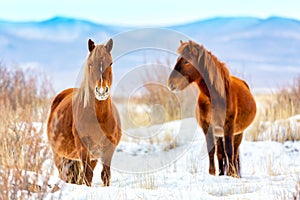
118,130
203,110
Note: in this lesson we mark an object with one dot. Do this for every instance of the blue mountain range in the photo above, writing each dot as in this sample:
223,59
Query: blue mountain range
265,52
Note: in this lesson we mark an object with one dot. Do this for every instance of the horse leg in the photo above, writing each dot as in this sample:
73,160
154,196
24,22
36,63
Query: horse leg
229,149
93,164
69,170
106,162
59,162
87,166
237,141
73,171
231,171
221,156
84,157
210,144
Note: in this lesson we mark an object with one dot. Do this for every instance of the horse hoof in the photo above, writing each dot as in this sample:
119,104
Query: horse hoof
234,175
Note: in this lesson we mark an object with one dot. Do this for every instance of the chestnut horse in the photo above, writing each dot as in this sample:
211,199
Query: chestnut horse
225,107
84,124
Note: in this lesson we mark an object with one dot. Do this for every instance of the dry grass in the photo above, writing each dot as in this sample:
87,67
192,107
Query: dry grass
146,181
272,120
24,101
170,140
153,103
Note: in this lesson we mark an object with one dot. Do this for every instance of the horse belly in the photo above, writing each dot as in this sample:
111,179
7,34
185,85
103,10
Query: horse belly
246,110
60,134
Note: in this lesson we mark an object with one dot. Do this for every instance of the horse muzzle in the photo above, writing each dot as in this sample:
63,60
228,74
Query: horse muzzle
101,93
176,85
172,87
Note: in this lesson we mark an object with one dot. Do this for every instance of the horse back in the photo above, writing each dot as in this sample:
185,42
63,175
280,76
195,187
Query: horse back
240,82
60,97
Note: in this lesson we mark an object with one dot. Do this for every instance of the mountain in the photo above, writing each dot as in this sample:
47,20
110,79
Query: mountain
265,52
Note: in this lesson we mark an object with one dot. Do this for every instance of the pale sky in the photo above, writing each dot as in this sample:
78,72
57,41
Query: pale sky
145,12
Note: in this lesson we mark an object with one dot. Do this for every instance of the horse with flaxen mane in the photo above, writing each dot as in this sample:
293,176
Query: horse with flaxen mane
84,124
225,105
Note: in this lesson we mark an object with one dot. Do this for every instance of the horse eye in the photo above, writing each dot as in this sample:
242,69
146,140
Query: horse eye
186,62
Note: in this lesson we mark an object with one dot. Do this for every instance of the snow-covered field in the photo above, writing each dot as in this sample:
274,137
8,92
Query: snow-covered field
157,167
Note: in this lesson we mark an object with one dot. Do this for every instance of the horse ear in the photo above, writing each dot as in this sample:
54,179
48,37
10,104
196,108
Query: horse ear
181,42
109,45
192,48
91,45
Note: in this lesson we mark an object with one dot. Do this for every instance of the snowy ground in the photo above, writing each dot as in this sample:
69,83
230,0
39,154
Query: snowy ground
157,167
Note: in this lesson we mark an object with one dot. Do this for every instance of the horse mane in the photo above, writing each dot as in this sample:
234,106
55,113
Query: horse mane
83,93
218,74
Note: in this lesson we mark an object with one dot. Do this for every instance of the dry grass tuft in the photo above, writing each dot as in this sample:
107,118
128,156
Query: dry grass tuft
274,119
24,101
146,181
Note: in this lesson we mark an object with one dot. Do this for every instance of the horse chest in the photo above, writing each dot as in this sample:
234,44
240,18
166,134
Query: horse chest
93,136
210,116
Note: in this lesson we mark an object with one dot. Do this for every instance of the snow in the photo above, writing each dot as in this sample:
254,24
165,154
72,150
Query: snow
270,170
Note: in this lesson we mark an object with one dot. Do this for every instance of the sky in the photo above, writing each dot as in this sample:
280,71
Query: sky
145,12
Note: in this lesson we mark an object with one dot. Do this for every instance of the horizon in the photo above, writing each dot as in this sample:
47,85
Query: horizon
139,26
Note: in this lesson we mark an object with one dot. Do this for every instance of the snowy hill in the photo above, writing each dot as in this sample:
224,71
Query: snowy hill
265,51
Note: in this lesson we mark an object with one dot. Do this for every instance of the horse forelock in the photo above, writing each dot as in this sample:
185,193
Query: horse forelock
218,74
97,53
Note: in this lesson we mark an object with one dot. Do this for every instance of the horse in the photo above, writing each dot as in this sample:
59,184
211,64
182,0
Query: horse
225,105
84,124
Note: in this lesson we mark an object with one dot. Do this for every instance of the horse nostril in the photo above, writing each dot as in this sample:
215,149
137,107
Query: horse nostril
171,86
102,90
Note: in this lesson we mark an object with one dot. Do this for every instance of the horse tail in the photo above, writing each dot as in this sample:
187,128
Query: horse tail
70,171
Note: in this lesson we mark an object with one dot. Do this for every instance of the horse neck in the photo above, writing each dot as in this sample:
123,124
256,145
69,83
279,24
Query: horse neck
203,87
104,107
210,92
209,87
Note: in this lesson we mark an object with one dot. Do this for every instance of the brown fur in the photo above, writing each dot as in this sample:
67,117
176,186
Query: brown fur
225,108
82,128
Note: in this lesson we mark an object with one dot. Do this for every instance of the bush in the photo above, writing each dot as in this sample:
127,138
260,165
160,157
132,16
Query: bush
24,103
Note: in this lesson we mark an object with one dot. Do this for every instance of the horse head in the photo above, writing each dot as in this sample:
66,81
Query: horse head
100,69
185,72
